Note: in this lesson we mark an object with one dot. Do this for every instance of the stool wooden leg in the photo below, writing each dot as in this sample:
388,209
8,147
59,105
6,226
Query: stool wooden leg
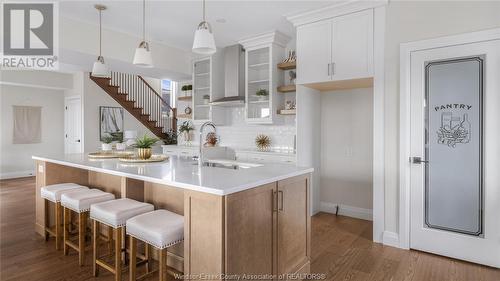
47,218
82,225
163,264
110,240
58,225
148,258
95,237
66,215
118,254
133,258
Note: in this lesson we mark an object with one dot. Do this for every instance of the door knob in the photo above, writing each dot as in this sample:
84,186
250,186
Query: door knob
417,160
77,140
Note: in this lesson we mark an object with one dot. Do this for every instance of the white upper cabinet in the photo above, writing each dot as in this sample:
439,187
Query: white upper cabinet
336,49
352,47
314,52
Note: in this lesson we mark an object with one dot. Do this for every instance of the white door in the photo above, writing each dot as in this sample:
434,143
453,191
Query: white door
352,48
455,137
73,125
314,52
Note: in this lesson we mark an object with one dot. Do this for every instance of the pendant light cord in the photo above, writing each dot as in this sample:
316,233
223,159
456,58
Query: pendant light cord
144,20
100,33
203,10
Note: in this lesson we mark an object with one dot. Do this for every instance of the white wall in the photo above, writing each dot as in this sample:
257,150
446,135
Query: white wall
93,97
237,133
413,21
347,150
15,159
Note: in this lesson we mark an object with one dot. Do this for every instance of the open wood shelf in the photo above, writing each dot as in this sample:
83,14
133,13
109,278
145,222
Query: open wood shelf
287,111
184,116
286,88
186,98
287,65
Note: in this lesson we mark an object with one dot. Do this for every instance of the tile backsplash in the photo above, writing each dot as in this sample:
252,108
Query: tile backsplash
237,133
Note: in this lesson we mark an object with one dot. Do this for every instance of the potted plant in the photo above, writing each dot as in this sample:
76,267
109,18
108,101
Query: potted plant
144,145
106,143
187,89
171,137
184,129
262,94
206,99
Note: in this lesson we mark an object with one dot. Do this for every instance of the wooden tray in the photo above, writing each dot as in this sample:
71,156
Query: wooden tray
154,158
109,154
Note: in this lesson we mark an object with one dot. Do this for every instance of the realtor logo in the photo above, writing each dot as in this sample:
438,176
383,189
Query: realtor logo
29,35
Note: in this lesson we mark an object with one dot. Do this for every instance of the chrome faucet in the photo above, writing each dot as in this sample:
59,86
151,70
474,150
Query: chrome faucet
200,156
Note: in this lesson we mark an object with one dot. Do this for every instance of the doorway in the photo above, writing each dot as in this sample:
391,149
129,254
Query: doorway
72,125
451,158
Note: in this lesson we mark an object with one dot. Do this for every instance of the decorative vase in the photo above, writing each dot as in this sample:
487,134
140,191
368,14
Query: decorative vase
206,101
106,147
187,138
144,153
262,98
121,146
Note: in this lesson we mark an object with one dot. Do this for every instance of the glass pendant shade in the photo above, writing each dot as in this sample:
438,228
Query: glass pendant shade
204,43
143,56
100,69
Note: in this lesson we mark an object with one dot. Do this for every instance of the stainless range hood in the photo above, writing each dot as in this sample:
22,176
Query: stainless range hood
234,77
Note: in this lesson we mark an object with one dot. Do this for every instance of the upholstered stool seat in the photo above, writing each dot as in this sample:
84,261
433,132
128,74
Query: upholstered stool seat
114,214
160,229
80,201
53,194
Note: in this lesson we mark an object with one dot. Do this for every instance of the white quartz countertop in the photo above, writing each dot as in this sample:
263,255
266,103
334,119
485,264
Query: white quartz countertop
183,172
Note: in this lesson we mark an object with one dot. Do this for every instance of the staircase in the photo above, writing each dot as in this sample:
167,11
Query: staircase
134,94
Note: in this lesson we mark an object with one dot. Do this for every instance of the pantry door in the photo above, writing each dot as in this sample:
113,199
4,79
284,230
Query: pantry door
454,151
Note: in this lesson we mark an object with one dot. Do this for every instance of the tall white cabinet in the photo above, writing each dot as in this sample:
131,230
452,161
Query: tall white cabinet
336,49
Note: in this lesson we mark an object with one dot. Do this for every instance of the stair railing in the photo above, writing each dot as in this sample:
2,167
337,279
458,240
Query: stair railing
146,97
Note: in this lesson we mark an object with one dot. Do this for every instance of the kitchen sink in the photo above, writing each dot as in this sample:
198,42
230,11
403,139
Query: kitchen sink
233,165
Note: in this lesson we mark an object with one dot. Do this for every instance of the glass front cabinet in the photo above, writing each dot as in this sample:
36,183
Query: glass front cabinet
207,87
262,54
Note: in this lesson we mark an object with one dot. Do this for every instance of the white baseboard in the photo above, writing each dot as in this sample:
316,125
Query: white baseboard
17,174
349,211
390,238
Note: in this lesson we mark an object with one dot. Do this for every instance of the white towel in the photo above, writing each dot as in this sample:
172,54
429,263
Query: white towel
27,124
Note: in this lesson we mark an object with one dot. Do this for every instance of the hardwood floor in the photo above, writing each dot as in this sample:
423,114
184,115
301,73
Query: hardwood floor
341,248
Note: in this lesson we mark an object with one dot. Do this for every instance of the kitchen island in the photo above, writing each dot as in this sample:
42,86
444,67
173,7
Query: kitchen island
253,220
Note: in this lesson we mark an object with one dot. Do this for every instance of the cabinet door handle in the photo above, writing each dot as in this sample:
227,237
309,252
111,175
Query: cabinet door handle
329,69
281,207
275,201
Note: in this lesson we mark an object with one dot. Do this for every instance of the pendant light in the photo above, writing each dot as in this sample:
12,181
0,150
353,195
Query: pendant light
100,69
204,42
142,55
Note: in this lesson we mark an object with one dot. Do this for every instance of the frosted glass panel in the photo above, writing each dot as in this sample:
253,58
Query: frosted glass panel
453,191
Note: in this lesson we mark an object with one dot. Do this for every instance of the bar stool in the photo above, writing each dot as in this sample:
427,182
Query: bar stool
79,202
160,229
113,213
53,194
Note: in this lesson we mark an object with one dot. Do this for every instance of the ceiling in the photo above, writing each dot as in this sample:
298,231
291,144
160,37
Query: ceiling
174,22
